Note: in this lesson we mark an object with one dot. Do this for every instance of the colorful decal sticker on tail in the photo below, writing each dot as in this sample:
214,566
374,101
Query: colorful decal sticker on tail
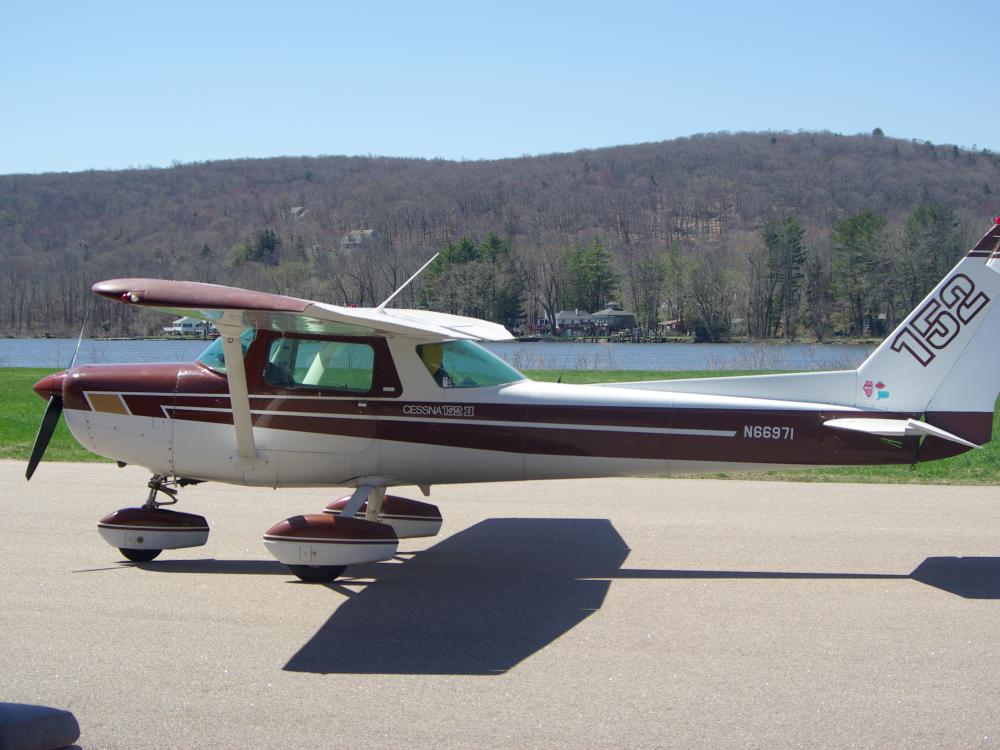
938,322
879,390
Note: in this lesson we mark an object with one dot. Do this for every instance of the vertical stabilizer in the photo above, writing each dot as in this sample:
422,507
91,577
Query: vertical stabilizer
945,356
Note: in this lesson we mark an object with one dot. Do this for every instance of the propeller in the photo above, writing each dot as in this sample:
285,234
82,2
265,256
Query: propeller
52,385
49,421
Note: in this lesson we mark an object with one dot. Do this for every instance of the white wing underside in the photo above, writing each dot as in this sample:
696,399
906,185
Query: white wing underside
321,318
419,323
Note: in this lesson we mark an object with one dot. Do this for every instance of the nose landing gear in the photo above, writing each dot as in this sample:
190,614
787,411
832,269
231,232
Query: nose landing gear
140,534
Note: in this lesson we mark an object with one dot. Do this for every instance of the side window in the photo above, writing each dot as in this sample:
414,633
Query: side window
309,363
212,356
465,364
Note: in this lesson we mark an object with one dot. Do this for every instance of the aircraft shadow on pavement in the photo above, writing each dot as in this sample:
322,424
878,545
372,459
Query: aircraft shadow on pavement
213,566
479,602
968,577
488,597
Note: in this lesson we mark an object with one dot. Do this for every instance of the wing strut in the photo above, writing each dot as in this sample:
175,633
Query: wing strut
239,396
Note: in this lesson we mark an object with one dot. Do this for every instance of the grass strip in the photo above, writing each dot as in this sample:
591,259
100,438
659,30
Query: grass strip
21,414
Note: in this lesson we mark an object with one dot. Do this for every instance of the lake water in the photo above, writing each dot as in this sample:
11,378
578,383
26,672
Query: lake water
526,356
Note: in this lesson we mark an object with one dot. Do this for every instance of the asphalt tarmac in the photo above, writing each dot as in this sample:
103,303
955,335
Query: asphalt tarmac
590,613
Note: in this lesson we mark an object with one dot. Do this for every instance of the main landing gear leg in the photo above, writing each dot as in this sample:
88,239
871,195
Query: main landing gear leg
375,500
329,573
318,547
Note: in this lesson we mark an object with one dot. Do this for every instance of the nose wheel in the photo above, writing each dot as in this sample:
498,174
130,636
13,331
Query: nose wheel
141,534
140,555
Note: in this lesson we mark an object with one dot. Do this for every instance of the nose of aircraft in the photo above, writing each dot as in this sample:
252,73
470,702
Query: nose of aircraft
50,385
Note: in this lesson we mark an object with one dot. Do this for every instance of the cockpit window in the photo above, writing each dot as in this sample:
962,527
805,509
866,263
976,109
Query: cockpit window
465,364
213,357
330,365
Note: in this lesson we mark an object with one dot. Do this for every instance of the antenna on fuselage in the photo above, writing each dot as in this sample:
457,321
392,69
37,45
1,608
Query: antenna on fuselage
407,282
79,340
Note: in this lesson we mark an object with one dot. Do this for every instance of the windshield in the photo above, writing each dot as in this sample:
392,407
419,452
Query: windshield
465,364
212,357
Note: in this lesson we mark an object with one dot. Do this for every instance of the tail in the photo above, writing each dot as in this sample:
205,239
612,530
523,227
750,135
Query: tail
943,361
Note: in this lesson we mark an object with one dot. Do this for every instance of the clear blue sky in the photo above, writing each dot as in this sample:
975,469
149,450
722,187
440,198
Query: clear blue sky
115,84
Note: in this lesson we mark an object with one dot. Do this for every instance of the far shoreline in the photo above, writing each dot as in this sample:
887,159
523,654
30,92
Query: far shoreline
847,341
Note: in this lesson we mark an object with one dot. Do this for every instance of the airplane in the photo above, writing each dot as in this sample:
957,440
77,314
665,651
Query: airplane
306,394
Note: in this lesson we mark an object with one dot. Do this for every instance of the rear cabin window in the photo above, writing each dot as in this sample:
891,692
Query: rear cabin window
326,365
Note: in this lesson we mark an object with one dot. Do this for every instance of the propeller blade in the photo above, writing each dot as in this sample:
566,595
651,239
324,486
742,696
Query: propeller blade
49,421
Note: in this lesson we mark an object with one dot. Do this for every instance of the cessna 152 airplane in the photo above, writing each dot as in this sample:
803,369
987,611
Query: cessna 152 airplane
301,393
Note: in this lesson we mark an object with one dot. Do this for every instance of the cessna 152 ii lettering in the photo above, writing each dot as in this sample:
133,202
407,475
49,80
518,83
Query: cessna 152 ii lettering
302,393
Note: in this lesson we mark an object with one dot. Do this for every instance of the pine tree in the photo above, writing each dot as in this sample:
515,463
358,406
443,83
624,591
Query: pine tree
786,254
858,244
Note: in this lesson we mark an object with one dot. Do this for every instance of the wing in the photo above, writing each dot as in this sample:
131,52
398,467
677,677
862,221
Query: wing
289,314
231,310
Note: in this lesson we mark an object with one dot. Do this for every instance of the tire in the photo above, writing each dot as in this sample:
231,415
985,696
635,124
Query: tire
317,573
140,555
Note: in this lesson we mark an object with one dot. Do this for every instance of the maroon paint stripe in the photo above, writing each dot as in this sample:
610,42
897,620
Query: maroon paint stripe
819,445
365,428
315,540
976,426
988,240
361,428
311,406
194,294
812,444
634,417
133,527
215,417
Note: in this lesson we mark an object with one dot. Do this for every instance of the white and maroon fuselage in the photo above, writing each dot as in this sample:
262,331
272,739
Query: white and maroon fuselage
176,420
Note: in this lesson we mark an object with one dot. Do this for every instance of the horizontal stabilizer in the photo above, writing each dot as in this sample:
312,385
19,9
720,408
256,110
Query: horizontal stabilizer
895,428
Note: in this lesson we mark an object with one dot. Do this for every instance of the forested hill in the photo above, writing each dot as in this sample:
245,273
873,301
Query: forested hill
676,228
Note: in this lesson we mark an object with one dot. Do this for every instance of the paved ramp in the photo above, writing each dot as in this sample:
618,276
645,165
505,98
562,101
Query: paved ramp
589,613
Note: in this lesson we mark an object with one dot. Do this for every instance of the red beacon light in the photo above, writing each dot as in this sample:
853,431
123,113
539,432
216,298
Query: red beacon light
130,297
996,220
